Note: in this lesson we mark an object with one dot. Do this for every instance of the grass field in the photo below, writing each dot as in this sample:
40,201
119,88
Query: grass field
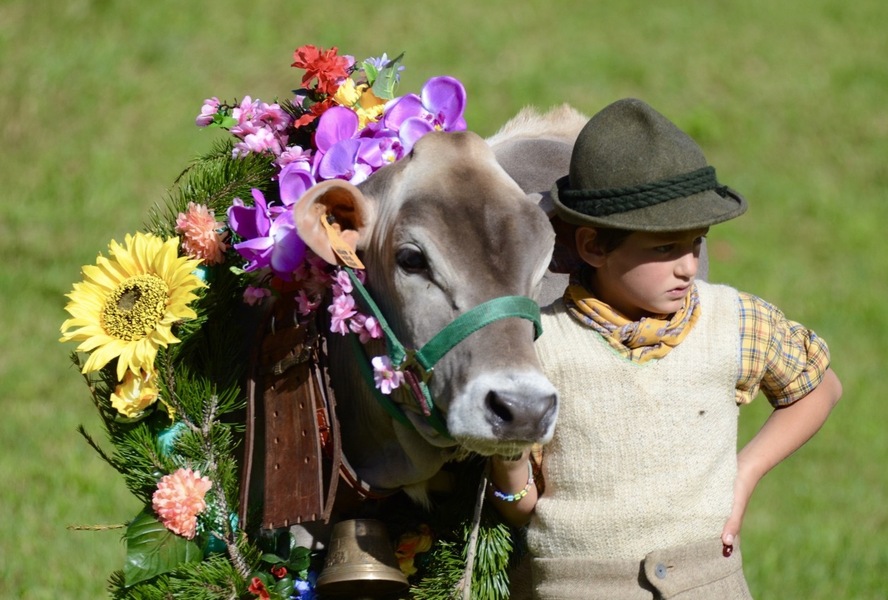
786,98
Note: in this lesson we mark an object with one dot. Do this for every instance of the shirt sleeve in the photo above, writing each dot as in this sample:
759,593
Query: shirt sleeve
782,358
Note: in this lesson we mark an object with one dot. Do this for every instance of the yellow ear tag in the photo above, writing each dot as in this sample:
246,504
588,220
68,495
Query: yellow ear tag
342,250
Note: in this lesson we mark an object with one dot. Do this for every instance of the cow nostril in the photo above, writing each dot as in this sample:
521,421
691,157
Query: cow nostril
500,406
517,416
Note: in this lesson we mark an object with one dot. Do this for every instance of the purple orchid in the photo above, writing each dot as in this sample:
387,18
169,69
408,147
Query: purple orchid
343,153
440,107
269,234
293,180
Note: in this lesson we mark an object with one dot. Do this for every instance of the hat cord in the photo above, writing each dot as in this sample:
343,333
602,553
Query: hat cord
608,201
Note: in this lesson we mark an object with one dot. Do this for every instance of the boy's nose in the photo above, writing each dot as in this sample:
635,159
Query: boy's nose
686,266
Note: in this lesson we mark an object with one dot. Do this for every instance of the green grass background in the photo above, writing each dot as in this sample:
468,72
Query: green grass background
97,101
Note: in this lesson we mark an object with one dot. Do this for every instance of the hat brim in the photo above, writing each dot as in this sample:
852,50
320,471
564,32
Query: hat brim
680,214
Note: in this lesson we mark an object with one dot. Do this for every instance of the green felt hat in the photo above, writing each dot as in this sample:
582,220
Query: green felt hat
631,168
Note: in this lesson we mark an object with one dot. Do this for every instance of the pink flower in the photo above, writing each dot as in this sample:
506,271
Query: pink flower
367,328
385,377
261,127
261,140
305,305
312,276
294,154
254,295
207,112
273,116
342,283
178,500
201,237
341,310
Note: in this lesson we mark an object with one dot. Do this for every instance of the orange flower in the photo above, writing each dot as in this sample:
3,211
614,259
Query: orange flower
316,110
178,500
411,544
200,234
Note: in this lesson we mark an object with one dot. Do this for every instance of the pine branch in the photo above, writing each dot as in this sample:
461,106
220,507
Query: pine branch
95,446
473,539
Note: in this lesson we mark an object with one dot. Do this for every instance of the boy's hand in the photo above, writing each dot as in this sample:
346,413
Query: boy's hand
742,492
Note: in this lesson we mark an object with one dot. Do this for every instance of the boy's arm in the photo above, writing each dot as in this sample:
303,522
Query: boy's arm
785,431
511,476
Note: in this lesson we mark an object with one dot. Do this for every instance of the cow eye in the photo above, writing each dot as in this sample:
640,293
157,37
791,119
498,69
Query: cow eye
411,259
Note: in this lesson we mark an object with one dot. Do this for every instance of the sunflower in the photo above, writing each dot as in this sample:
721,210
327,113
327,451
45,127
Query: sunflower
126,305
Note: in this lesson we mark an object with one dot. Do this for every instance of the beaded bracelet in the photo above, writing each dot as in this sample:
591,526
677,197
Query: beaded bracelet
500,495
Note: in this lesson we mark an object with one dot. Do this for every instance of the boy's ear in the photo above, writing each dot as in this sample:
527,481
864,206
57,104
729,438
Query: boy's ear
351,214
588,247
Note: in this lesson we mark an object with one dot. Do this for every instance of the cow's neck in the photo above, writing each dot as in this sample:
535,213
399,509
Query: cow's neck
384,453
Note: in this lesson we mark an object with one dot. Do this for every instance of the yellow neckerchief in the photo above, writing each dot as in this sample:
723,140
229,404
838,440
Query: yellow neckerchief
639,341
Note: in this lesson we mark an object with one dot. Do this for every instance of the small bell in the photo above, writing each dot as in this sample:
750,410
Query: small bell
360,562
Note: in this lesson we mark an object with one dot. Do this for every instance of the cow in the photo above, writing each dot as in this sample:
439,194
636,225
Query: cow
442,231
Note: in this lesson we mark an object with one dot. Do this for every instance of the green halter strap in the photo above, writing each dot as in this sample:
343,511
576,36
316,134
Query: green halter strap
418,365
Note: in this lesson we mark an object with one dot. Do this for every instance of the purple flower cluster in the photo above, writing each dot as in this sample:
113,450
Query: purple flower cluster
342,150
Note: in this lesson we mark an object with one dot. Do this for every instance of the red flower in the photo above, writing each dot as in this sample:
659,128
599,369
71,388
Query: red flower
325,65
258,588
279,571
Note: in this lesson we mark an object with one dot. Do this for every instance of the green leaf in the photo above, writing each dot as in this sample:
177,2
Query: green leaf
272,559
370,71
223,121
284,586
300,558
152,549
384,86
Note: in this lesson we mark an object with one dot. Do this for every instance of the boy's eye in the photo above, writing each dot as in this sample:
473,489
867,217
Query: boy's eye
665,249
699,241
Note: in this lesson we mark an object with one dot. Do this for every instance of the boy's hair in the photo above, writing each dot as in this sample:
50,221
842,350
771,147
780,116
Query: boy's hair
609,239
565,258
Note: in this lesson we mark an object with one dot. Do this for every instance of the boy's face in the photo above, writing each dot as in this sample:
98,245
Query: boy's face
647,274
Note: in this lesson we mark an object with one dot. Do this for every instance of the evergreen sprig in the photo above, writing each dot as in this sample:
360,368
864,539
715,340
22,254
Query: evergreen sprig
214,180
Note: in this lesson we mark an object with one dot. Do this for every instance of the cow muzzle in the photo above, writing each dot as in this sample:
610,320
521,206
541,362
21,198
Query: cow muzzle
511,411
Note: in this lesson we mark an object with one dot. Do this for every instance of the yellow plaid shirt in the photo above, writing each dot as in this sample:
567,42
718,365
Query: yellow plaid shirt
783,358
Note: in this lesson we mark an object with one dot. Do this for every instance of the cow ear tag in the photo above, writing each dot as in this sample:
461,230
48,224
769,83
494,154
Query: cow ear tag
342,250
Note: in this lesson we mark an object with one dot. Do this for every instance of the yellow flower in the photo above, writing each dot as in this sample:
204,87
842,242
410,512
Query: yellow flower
362,100
126,305
347,94
135,393
371,107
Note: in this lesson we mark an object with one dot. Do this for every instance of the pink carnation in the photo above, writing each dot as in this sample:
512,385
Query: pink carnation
200,234
178,500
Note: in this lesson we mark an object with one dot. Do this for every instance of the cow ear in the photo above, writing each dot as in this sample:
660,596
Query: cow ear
349,208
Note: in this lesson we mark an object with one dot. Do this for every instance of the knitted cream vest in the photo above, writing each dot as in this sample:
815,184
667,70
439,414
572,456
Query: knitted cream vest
644,455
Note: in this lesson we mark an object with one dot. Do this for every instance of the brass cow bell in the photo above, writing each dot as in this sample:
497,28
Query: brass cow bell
360,562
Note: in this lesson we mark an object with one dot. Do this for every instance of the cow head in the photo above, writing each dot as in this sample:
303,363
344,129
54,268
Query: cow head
440,232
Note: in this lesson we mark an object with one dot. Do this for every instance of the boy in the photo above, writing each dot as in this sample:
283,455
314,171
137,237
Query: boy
645,491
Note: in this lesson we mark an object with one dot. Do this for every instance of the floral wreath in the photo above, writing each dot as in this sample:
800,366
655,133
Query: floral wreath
160,344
